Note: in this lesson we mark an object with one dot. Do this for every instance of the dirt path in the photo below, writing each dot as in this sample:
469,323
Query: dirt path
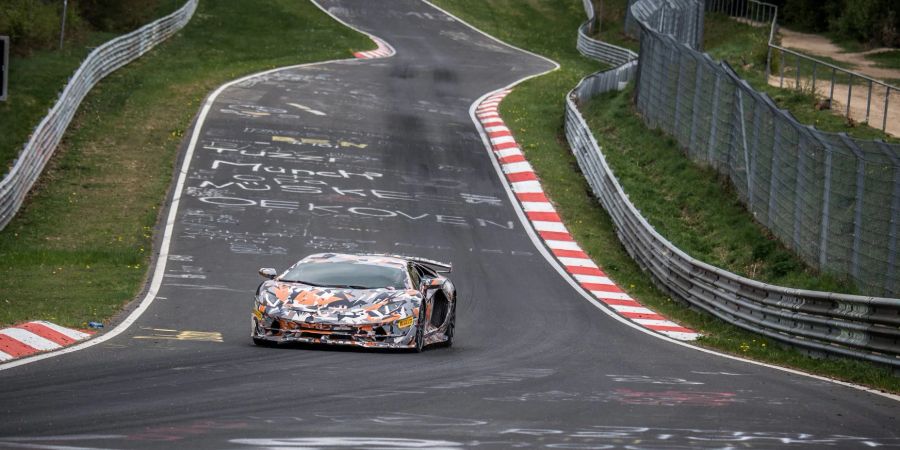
813,44
863,108
865,105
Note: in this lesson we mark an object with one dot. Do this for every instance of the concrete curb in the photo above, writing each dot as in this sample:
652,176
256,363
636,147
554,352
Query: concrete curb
29,338
553,233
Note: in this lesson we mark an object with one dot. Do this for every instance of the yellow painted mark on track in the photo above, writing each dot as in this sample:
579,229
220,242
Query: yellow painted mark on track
205,336
318,142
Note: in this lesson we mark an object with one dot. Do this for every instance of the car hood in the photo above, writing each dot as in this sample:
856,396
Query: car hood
300,302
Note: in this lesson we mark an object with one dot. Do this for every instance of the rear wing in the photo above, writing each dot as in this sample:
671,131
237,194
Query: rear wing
440,267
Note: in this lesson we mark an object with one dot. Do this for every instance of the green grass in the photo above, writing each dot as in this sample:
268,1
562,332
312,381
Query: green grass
534,112
700,214
79,249
611,27
889,59
744,48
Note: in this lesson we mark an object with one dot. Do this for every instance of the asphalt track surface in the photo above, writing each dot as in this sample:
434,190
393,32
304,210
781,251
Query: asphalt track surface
382,155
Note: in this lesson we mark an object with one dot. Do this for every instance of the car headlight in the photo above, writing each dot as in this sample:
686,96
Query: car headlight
267,298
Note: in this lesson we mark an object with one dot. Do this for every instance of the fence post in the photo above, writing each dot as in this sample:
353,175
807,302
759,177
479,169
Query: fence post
802,144
890,284
62,26
695,108
4,69
678,93
743,122
858,198
826,205
714,121
773,186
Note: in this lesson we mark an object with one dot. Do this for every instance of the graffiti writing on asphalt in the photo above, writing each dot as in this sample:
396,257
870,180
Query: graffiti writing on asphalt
360,212
630,397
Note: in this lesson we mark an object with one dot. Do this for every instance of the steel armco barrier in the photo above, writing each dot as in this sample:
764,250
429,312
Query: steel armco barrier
855,326
600,50
100,62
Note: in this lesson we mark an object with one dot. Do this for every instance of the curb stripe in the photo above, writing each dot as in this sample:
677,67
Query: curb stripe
29,338
47,333
384,50
545,220
15,347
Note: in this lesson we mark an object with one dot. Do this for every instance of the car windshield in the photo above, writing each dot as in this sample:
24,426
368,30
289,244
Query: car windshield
347,275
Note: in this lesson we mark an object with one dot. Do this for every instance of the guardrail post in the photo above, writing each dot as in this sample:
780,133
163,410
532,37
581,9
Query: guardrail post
887,96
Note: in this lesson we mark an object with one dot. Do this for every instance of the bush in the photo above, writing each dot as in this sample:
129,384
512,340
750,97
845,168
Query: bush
29,24
872,22
117,15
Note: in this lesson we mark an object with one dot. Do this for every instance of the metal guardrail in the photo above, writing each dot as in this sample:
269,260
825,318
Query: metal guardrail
849,325
599,50
102,61
799,71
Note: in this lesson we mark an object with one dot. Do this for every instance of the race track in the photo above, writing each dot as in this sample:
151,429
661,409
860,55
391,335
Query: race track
382,155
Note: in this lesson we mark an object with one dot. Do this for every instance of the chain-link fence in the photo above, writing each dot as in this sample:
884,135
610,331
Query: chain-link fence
102,61
731,115
833,199
681,19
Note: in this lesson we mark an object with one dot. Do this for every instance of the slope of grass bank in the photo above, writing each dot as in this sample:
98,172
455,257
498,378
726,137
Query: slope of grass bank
534,111
36,79
79,248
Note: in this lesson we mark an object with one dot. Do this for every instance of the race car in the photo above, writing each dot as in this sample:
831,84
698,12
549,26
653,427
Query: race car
367,300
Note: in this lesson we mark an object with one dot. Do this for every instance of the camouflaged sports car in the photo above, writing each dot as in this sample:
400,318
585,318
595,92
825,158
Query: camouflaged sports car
372,300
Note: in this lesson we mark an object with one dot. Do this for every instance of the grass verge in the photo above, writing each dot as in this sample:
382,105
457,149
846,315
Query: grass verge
534,111
79,249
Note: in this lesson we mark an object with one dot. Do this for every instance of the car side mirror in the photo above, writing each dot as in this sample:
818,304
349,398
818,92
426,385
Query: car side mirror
268,273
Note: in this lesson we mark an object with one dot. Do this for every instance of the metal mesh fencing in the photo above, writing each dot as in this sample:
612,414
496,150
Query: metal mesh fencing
714,101
681,19
102,61
831,198
813,187
847,325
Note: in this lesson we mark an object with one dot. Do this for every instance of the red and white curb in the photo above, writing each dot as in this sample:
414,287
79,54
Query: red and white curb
383,51
35,337
547,223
